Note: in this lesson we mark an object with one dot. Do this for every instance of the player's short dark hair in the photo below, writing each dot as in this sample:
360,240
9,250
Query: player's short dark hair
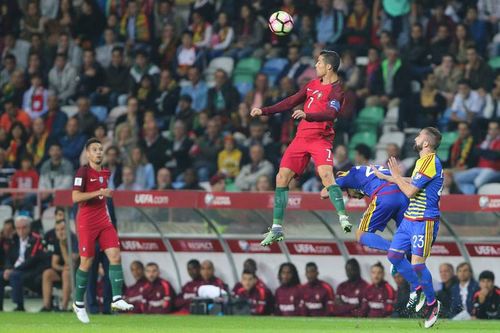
331,58
138,263
252,263
295,274
91,141
9,221
488,275
152,264
379,265
194,262
434,135
248,272
363,150
311,265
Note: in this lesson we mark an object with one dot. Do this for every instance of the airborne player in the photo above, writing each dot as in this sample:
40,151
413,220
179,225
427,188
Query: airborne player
90,190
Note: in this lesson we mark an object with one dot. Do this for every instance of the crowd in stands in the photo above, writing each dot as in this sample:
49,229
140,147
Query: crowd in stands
167,87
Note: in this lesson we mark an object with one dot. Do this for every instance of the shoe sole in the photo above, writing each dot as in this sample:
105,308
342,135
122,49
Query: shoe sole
115,308
420,304
276,240
430,323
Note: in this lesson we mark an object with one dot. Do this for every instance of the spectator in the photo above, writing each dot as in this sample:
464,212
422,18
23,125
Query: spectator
158,293
208,147
362,154
165,15
205,8
187,55
132,117
461,152
35,98
163,179
402,296
416,52
261,94
197,89
23,266
463,292
263,184
18,48
207,275
218,184
60,267
294,68
177,155
14,89
134,294
317,295
396,82
73,142
128,180
146,93
488,167
135,25
55,119
16,143
6,172
38,142
6,235
191,180
448,280
249,33
90,23
68,46
289,294
349,293
448,75
9,67
201,29
25,178
35,66
125,140
116,80
350,71
144,172
104,53
142,66
114,165
378,297
478,28
466,105
229,159
257,295
11,115
223,98
258,135
329,25
440,44
66,15
477,71
91,77
62,78
168,97
167,48
185,112
190,289
461,43
487,298
358,27
438,17
57,172
87,121
258,166
449,185
394,151
223,35
342,161
153,145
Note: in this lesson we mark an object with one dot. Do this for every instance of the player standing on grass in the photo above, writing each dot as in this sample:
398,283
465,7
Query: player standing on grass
322,99
420,225
90,190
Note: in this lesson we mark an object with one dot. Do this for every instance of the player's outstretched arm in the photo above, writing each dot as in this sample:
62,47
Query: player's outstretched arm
408,189
78,196
285,105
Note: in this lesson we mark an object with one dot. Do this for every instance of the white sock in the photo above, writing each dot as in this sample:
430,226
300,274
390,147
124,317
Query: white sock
276,226
80,304
117,297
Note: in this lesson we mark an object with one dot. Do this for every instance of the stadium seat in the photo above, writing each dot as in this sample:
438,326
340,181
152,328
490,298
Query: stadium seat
494,63
369,119
249,66
273,67
101,112
409,162
367,138
243,87
48,218
70,110
443,153
391,137
113,116
493,189
224,63
448,138
5,212
381,155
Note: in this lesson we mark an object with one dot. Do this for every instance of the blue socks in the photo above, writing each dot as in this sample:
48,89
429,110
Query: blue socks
404,268
425,282
374,241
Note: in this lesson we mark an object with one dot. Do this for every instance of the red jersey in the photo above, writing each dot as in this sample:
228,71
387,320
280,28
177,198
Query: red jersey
134,294
288,301
158,297
378,300
318,299
494,147
94,210
214,281
259,297
24,180
238,285
189,291
322,105
349,297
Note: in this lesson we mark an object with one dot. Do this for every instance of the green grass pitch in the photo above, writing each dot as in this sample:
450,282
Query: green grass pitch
67,322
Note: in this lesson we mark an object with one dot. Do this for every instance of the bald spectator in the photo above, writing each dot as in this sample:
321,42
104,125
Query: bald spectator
258,166
73,142
208,277
63,78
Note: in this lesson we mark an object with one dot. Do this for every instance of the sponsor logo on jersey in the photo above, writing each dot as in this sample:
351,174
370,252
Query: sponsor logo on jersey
101,179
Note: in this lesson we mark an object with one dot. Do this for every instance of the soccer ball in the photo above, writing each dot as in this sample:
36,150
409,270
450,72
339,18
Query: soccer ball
281,23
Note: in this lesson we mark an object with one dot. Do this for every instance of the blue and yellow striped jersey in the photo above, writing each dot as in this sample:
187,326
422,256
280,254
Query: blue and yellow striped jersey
362,178
428,177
